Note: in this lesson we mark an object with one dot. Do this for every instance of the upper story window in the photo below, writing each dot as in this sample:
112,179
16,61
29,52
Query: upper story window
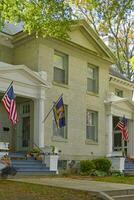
92,125
92,78
118,92
61,132
60,68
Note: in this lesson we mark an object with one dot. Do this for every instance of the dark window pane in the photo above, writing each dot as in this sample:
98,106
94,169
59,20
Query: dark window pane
59,75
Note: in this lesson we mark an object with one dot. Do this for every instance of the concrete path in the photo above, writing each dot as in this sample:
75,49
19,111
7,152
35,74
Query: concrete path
88,185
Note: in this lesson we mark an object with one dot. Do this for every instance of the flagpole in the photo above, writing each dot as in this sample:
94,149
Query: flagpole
8,89
54,103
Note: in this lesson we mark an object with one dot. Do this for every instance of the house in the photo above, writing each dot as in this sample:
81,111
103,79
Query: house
44,68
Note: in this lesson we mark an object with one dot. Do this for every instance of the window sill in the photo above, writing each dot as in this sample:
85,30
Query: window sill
90,142
59,139
93,93
60,84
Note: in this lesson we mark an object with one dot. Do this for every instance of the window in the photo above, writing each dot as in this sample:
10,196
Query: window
60,68
118,92
61,132
92,78
92,125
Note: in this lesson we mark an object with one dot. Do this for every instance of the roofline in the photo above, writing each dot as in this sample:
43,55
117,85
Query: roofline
25,68
90,31
122,81
96,37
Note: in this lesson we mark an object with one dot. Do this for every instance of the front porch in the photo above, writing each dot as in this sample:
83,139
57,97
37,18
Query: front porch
116,109
29,88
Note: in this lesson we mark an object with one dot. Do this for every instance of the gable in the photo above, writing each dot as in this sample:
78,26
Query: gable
79,38
84,36
20,74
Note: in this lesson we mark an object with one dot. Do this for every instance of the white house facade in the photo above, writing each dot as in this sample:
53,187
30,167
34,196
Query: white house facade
41,70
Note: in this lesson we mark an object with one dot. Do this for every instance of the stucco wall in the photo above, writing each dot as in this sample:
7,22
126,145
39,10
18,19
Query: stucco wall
77,99
26,52
6,54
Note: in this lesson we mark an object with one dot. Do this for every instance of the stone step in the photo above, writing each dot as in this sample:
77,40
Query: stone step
32,169
129,172
25,162
124,197
35,173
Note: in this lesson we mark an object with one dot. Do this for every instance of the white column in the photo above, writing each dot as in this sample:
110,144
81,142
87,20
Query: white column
109,134
130,144
39,132
41,124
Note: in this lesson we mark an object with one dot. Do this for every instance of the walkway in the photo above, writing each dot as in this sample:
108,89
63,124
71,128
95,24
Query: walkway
88,185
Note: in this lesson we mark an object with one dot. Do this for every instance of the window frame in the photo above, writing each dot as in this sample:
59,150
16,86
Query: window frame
64,70
95,79
95,116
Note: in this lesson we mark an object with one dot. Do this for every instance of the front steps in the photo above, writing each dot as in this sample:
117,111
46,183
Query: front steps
129,168
28,166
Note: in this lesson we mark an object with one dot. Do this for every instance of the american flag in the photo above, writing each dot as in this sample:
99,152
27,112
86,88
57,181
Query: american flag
122,125
10,104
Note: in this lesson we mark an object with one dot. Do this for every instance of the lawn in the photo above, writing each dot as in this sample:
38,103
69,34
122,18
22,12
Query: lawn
11,190
115,179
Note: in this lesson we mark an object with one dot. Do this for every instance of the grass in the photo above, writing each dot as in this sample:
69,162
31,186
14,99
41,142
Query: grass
116,179
11,190
110,179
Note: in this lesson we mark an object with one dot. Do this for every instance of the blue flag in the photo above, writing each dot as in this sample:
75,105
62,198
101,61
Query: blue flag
59,113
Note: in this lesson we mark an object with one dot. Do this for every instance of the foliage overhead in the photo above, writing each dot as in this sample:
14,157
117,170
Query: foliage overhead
114,19
53,18
47,17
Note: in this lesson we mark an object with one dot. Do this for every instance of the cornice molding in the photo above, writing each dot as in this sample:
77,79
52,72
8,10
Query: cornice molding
120,82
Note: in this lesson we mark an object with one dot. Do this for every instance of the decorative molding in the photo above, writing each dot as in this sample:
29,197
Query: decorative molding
122,83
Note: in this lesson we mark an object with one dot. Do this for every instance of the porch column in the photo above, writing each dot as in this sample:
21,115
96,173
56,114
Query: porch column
130,144
39,133
109,134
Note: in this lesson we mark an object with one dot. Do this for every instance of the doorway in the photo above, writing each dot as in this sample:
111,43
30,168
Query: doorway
24,133
118,143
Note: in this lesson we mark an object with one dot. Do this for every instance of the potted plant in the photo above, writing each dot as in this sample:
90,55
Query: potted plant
35,152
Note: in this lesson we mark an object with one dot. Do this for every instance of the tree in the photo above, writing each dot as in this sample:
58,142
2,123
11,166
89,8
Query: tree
53,18
114,19
47,17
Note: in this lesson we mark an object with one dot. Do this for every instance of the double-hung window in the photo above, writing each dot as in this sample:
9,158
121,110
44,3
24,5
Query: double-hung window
60,68
92,125
61,132
92,78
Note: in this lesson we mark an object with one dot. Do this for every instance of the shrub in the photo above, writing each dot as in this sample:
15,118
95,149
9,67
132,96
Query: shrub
98,173
102,164
86,167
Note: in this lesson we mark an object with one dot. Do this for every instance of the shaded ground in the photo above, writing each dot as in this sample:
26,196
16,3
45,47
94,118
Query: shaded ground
10,190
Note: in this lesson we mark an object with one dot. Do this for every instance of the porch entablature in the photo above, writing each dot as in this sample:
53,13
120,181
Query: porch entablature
118,106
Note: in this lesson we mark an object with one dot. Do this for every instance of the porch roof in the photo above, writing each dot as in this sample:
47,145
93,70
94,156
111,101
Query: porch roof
119,106
26,81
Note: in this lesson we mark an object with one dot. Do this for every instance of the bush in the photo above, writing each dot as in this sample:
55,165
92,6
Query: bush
98,173
86,167
102,164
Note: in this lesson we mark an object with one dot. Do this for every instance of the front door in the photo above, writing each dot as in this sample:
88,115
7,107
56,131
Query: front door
119,145
24,133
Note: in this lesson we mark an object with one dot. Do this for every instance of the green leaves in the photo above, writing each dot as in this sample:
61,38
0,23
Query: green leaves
47,17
